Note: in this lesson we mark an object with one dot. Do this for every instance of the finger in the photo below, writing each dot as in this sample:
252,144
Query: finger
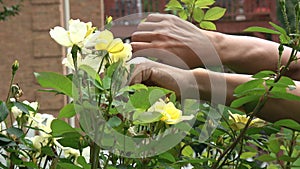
142,36
137,46
148,26
155,17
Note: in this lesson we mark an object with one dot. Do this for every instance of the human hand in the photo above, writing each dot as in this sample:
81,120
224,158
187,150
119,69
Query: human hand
151,73
174,42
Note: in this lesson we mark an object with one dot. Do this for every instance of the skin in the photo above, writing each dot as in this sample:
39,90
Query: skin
183,49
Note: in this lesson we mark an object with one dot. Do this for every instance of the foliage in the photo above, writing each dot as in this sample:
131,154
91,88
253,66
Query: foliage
8,11
197,11
137,126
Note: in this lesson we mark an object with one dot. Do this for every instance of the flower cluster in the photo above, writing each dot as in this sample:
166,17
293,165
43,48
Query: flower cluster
91,42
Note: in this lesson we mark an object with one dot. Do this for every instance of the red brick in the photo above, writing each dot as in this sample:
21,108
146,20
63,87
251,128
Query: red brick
45,17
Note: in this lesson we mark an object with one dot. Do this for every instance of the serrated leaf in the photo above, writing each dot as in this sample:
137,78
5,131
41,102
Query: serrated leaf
56,81
47,151
273,144
284,95
289,123
243,100
91,72
187,151
207,25
114,121
247,155
262,30
250,85
15,131
198,14
3,111
174,5
59,127
214,13
62,165
264,74
146,117
67,111
265,158
167,156
183,14
23,107
204,3
81,160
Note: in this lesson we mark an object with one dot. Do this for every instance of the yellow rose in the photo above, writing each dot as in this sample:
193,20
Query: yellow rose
115,47
170,114
238,122
77,34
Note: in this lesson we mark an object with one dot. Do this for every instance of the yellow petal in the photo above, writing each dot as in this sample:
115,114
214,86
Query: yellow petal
77,31
115,46
105,38
60,35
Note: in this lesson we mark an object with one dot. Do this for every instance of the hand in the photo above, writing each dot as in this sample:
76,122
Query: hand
173,41
151,73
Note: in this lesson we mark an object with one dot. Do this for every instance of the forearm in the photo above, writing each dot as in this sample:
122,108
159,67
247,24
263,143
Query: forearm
249,55
274,109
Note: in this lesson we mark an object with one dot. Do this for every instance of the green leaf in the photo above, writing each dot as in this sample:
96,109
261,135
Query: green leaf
261,29
204,3
168,156
198,14
114,121
265,158
250,85
106,82
187,151
284,38
146,117
91,72
247,155
59,127
47,151
214,13
289,123
56,81
3,111
143,99
76,142
23,107
174,5
207,25
15,131
183,14
264,73
284,95
81,160
67,111
241,101
62,165
273,144
188,2
287,158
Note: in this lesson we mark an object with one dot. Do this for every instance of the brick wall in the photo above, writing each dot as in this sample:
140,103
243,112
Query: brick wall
26,38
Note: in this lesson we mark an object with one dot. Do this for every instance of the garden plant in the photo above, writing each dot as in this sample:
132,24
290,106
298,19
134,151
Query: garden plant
138,126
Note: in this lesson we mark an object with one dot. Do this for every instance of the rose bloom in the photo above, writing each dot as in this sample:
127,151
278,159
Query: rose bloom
170,114
77,34
115,47
238,122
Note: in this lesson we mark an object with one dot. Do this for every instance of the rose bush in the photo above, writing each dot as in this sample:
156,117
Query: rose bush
121,126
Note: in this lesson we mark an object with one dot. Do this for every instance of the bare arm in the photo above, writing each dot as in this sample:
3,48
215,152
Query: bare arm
249,55
188,81
182,41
